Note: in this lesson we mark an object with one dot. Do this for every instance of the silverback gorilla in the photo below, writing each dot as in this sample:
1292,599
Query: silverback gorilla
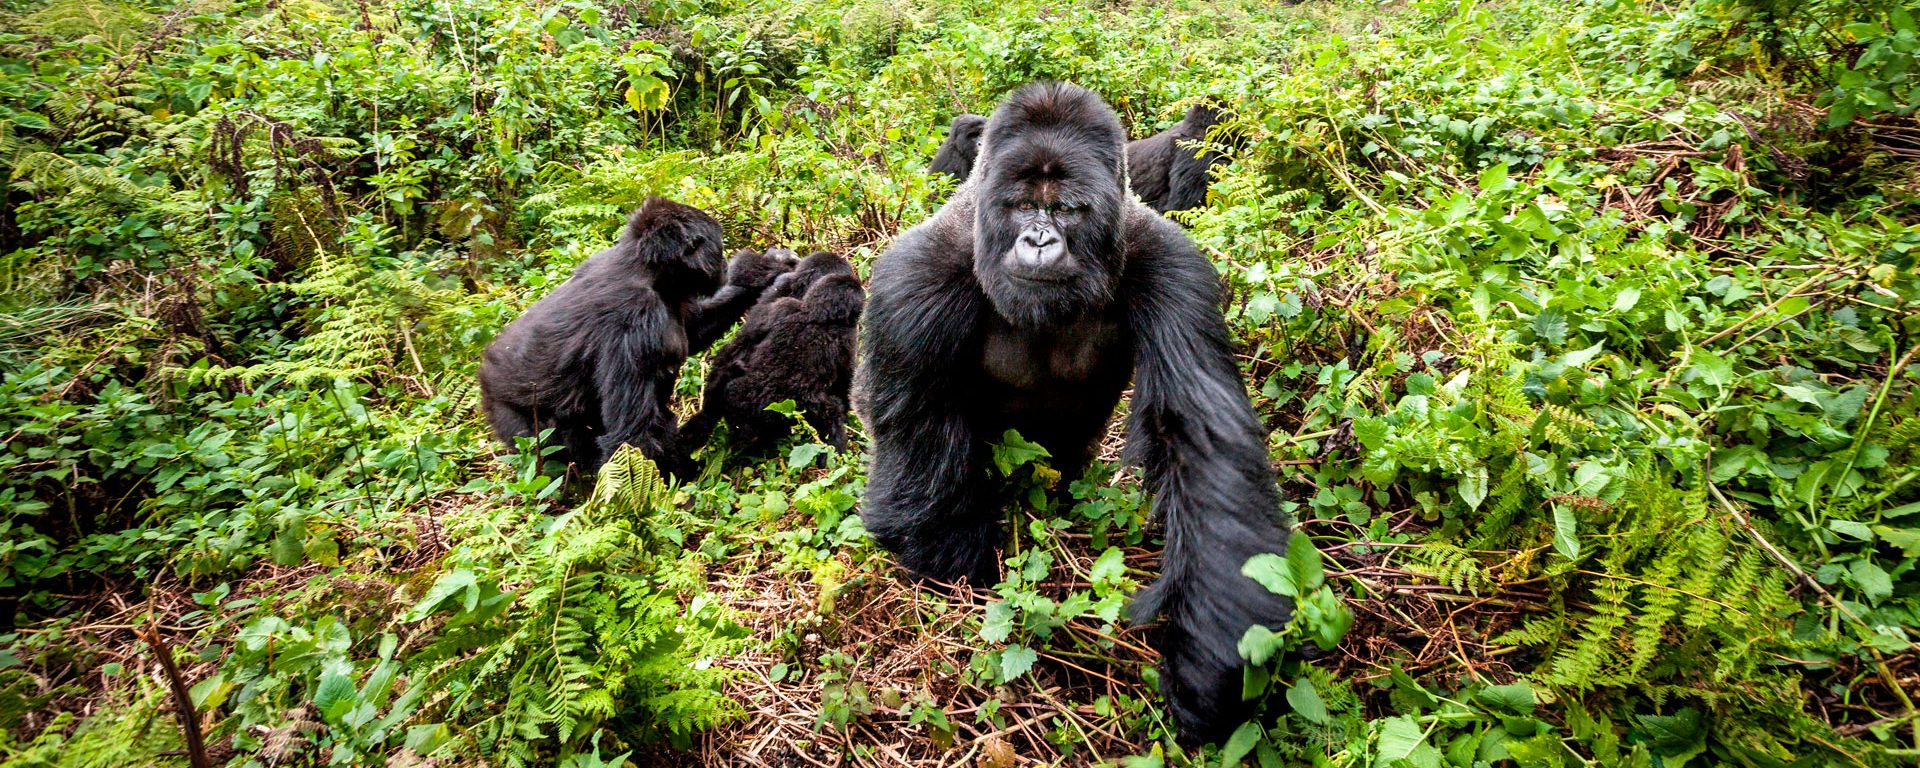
596,359
796,344
1026,302
956,154
1166,171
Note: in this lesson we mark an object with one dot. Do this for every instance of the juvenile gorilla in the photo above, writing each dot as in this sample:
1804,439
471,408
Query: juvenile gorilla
796,344
1166,171
596,359
956,154
1026,303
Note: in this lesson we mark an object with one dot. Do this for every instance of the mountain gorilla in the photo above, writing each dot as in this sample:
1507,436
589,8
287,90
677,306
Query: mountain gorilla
1025,303
796,344
1166,171
596,359
956,154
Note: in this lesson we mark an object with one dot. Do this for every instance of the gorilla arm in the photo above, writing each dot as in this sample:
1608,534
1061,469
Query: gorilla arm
748,274
923,501
631,370
1194,433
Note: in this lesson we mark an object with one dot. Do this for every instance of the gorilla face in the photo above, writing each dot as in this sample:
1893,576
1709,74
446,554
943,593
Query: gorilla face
1047,214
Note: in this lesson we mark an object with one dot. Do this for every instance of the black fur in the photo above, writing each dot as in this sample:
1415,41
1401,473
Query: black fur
1167,171
796,344
956,154
963,341
596,359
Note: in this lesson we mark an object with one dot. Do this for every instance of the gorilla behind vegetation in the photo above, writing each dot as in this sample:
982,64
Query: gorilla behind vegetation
1027,302
1166,171
596,359
956,154
796,344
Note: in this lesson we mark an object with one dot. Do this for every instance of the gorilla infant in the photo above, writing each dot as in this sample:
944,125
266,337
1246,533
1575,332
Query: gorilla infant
1166,171
796,344
1027,302
596,359
956,154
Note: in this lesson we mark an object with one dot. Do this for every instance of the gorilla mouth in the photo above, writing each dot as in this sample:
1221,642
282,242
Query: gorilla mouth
1042,277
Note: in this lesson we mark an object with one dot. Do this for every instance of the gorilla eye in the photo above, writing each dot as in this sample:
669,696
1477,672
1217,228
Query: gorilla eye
1025,205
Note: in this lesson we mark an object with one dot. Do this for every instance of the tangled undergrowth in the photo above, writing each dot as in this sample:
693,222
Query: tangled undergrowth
1585,333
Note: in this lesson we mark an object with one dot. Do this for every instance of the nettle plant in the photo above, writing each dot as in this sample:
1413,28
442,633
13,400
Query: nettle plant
1024,618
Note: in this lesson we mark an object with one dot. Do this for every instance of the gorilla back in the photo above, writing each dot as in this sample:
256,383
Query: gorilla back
1168,172
1026,302
956,154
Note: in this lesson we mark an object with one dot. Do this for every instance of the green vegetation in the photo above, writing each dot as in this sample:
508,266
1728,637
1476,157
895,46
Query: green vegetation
1586,331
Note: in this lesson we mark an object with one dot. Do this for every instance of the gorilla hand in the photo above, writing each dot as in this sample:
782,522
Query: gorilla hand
748,275
756,271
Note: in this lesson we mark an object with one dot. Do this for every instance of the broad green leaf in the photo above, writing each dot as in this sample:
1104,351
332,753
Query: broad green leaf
1473,487
1872,580
1305,701
457,580
1851,529
1591,478
1303,562
1844,407
289,545
424,739
1902,510
1566,533
335,696
1628,296
1258,644
1711,368
1551,326
1015,661
1240,744
1671,734
1493,177
1907,539
1013,451
1863,30
1580,357
31,120
1109,568
805,454
998,623
211,692
1514,698
1399,736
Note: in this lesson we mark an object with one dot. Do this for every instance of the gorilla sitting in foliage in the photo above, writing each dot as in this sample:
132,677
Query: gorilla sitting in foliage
956,154
1026,303
1167,171
596,359
796,344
